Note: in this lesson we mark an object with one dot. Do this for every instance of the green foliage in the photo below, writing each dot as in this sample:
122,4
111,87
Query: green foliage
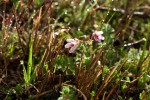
17,90
29,73
67,93
62,63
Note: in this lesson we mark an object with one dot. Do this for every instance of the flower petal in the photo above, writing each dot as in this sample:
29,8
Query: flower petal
72,44
68,45
72,49
96,37
101,37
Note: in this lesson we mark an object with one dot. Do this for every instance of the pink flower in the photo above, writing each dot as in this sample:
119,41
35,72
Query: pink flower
98,36
72,44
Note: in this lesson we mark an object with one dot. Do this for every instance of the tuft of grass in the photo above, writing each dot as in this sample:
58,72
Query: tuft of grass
29,71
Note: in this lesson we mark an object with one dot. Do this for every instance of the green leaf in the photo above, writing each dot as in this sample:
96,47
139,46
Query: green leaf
19,89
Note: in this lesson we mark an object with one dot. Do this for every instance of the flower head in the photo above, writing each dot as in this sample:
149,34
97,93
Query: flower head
98,36
72,44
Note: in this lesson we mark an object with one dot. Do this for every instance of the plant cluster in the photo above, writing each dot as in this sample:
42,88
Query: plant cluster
74,50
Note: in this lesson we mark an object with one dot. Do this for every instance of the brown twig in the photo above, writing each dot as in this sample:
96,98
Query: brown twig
122,11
